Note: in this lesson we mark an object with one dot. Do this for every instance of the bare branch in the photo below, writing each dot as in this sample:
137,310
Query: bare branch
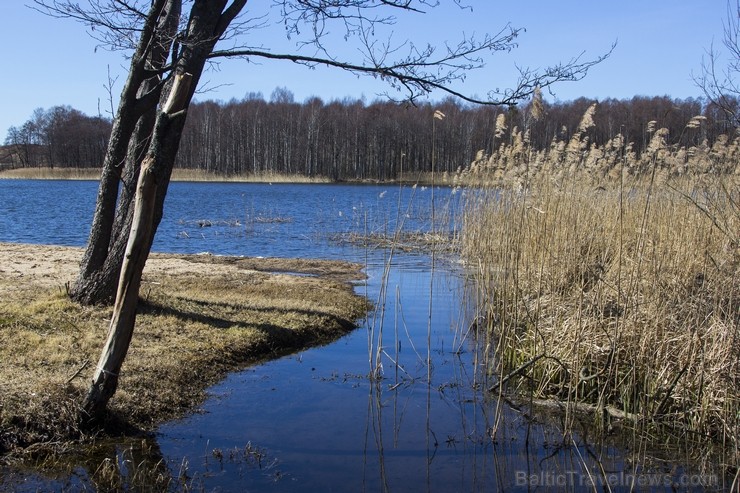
718,79
115,24
414,70
419,74
229,15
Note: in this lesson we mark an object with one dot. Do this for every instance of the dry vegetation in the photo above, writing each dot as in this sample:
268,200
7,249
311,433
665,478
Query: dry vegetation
264,177
199,318
611,282
50,174
514,163
177,175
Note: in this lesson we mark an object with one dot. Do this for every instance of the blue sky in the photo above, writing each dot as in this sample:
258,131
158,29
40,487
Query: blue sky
660,43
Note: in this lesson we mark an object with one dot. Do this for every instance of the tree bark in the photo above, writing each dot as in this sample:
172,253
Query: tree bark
208,21
132,126
121,328
99,285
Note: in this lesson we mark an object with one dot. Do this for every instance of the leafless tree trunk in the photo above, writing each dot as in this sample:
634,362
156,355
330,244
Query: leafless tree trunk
132,127
121,328
207,22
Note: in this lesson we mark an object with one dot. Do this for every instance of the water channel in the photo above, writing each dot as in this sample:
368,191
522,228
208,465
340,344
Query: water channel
315,421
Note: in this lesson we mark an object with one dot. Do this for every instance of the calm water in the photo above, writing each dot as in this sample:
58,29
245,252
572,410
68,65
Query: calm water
314,421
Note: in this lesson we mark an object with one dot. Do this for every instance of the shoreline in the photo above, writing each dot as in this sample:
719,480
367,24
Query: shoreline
178,175
200,318
186,175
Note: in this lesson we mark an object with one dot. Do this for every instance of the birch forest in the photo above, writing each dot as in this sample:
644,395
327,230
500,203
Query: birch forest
352,140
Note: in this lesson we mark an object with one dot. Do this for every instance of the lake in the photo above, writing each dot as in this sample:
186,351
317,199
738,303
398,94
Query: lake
315,420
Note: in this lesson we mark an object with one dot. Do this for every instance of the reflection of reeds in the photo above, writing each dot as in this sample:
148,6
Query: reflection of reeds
623,297
141,467
376,349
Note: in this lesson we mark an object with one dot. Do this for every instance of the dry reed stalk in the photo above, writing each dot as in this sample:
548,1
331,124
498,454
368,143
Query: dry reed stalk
627,296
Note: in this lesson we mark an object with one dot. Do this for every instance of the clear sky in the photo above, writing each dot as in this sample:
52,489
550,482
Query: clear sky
660,43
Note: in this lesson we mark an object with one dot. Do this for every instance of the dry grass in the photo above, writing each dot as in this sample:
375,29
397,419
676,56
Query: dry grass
622,296
200,317
401,241
514,162
51,174
177,175
265,177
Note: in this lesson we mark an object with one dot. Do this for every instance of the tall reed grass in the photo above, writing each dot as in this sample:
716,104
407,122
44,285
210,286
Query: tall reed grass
617,289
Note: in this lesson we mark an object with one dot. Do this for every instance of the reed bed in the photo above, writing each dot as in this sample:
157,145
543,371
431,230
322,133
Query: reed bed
177,175
620,295
51,174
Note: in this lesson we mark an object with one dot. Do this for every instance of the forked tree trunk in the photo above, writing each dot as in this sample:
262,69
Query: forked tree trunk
208,22
133,124
98,285
103,258
121,328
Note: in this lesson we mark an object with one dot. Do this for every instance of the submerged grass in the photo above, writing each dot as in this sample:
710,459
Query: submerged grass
401,241
622,298
200,317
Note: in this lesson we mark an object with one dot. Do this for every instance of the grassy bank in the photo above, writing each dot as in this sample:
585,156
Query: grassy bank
200,317
196,175
50,174
623,295
177,175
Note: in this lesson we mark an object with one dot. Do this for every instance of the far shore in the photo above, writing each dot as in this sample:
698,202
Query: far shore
187,175
88,174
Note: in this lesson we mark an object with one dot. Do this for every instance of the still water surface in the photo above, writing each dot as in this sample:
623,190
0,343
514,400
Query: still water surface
314,421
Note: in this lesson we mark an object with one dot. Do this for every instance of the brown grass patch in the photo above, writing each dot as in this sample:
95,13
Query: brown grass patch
200,317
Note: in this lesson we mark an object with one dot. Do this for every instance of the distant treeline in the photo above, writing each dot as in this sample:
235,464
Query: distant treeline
352,140
58,137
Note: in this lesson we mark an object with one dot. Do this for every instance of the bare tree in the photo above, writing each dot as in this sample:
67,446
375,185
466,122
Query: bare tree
116,24
157,94
718,79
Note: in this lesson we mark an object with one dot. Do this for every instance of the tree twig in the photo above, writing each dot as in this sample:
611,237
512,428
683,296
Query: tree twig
79,370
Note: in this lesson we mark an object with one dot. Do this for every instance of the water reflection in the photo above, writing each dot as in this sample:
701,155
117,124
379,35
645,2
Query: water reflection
135,464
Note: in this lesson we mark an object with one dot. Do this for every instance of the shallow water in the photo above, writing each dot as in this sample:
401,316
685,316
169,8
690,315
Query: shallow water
315,420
